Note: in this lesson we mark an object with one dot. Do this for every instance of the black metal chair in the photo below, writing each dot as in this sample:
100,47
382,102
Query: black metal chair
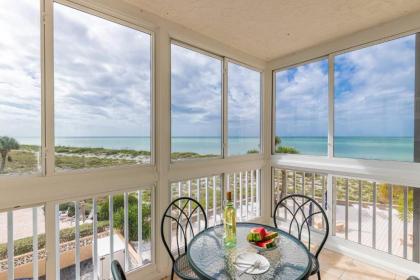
182,211
117,271
303,211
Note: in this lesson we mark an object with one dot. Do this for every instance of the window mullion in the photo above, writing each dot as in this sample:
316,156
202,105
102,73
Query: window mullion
330,146
47,63
225,136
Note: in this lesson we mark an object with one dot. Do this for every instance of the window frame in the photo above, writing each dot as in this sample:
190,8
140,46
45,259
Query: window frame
274,102
125,22
224,106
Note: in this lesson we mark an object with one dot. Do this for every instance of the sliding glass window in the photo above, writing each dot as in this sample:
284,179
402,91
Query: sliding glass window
244,110
196,104
374,102
301,109
20,87
102,85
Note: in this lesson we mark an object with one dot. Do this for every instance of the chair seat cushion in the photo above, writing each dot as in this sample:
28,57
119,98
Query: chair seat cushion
315,264
183,269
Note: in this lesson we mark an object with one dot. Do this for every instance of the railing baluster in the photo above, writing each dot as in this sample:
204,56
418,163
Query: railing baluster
313,185
140,224
347,210
111,230
252,192
214,200
405,222
374,217
77,239
390,190
359,228
240,196
10,245
228,182
303,183
206,182
179,190
323,198
246,194
257,181
189,195
198,199
126,233
95,239
35,243
234,190
294,189
332,184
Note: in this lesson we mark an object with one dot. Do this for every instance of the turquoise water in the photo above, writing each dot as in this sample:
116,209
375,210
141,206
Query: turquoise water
382,148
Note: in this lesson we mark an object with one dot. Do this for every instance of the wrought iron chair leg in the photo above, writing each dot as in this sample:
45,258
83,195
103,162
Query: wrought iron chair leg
172,274
319,275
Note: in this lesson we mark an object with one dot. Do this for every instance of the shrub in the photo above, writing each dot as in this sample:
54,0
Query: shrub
118,206
24,245
286,150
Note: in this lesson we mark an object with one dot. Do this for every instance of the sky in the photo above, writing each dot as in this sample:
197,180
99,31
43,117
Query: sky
20,86
374,94
102,84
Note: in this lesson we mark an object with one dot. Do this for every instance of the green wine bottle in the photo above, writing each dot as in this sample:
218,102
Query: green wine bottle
230,222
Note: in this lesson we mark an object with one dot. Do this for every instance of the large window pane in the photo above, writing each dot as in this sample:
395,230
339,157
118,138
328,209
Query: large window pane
244,87
196,103
102,92
20,87
374,102
302,109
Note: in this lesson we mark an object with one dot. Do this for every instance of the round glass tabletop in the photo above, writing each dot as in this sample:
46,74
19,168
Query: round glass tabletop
211,260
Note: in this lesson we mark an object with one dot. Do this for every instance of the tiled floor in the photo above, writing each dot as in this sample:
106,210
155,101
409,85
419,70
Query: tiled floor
336,266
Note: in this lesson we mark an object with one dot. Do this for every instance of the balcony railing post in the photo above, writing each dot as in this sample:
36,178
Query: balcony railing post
346,223
35,243
332,201
10,245
405,222
390,218
374,216
359,224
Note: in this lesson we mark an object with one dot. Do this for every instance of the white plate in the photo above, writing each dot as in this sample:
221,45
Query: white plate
244,261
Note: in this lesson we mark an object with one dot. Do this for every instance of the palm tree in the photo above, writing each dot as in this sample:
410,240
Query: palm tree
6,145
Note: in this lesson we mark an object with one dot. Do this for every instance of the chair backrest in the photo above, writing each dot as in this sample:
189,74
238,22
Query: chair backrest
303,212
117,271
182,213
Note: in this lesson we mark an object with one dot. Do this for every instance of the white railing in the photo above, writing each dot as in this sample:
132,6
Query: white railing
22,243
374,214
245,188
93,232
210,192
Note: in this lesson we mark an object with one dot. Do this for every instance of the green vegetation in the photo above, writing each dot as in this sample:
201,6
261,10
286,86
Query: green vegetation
253,151
99,151
286,150
283,149
7,144
24,245
118,217
79,162
183,155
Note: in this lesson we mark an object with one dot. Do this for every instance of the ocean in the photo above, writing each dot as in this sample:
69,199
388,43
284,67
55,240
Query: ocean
381,148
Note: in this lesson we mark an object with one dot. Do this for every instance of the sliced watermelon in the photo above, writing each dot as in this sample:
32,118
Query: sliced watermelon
270,235
266,244
256,234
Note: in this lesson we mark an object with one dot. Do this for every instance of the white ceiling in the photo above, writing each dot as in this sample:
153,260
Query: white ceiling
273,28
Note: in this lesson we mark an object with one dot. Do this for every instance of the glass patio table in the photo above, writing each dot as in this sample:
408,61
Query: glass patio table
211,260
